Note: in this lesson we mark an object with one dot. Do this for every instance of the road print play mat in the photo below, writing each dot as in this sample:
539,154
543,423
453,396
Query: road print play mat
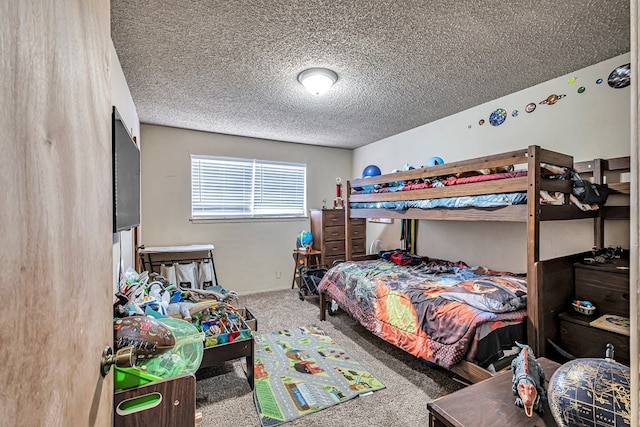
303,370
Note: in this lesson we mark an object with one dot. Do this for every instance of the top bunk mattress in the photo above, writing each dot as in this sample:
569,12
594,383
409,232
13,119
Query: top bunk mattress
404,201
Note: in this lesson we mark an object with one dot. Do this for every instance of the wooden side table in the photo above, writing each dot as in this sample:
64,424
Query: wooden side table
303,258
233,350
167,402
489,403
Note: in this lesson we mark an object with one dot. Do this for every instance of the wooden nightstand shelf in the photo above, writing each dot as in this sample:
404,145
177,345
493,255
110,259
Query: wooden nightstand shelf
607,287
583,340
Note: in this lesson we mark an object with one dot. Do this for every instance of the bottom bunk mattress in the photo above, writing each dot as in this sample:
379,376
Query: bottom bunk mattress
437,310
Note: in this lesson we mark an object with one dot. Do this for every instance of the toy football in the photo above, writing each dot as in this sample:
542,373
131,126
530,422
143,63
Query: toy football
146,334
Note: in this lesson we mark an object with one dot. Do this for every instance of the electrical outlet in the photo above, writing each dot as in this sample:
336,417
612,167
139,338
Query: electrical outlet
278,275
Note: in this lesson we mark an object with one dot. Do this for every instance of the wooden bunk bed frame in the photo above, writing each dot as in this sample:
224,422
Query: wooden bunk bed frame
550,282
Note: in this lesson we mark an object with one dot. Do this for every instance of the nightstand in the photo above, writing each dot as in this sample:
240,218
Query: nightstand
606,286
489,403
583,340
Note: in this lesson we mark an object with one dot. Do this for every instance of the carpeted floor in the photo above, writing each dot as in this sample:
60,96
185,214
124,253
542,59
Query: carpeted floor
225,399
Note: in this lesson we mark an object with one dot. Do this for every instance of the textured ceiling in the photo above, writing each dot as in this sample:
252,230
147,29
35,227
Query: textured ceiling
231,66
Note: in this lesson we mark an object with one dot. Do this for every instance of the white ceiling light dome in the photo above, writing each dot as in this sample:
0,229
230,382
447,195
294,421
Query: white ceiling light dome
317,80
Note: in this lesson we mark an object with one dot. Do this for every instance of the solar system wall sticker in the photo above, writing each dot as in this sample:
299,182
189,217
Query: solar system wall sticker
498,117
619,78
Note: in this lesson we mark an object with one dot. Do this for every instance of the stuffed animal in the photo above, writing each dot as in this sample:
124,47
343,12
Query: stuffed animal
161,296
184,310
528,381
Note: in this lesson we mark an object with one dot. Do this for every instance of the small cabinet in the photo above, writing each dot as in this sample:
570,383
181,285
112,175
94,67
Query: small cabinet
328,230
581,339
607,287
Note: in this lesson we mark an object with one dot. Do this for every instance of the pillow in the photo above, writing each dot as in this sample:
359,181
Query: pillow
401,257
493,294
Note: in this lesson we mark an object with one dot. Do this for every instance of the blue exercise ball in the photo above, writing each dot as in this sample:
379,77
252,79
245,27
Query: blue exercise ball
371,170
304,238
434,161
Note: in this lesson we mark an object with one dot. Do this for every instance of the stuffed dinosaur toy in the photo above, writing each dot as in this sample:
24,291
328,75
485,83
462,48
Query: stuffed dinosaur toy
528,381
185,310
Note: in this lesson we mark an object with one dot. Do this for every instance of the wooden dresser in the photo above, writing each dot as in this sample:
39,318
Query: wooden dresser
327,227
607,287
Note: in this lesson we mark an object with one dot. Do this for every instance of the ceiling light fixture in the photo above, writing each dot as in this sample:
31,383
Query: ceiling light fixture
317,80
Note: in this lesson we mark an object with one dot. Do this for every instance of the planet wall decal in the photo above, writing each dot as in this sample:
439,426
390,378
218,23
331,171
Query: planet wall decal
498,117
620,77
552,99
530,108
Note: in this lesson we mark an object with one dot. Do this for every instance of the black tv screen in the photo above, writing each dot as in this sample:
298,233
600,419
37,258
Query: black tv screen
126,176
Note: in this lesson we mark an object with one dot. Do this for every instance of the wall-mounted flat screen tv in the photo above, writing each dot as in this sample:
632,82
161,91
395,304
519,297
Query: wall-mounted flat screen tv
126,176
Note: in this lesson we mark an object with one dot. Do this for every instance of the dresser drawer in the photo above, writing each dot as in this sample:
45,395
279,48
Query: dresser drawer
333,217
334,248
587,341
358,246
334,232
328,261
608,291
328,228
358,231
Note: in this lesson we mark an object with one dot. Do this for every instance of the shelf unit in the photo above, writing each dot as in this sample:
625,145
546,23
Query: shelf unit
152,257
607,287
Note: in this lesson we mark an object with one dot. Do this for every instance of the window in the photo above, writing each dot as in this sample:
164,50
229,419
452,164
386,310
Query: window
223,187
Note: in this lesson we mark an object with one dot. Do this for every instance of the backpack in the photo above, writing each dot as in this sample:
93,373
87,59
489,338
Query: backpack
587,192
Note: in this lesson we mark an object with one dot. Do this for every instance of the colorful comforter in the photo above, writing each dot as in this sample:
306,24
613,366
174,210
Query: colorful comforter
433,310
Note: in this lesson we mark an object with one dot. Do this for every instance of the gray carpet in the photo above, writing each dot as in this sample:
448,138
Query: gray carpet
225,399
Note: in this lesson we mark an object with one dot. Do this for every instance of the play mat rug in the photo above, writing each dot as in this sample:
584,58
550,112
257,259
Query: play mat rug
302,370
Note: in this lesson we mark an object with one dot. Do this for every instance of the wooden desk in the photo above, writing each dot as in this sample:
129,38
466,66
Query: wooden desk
303,258
489,403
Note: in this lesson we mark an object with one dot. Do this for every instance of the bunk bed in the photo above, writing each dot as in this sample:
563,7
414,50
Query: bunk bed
548,282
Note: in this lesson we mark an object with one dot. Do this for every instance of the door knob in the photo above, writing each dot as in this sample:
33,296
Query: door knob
124,358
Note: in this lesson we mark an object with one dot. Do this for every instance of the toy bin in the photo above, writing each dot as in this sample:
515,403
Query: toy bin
226,327
249,318
125,378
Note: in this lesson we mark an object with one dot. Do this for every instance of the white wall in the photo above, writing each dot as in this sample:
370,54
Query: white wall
248,253
594,124
123,250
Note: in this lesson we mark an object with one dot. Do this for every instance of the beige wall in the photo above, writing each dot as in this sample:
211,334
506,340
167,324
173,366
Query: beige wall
123,250
248,253
588,125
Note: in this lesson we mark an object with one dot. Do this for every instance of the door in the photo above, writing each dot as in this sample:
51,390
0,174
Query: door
55,222
635,217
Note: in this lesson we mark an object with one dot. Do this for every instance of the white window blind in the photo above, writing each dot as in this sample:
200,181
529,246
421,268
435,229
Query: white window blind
223,187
